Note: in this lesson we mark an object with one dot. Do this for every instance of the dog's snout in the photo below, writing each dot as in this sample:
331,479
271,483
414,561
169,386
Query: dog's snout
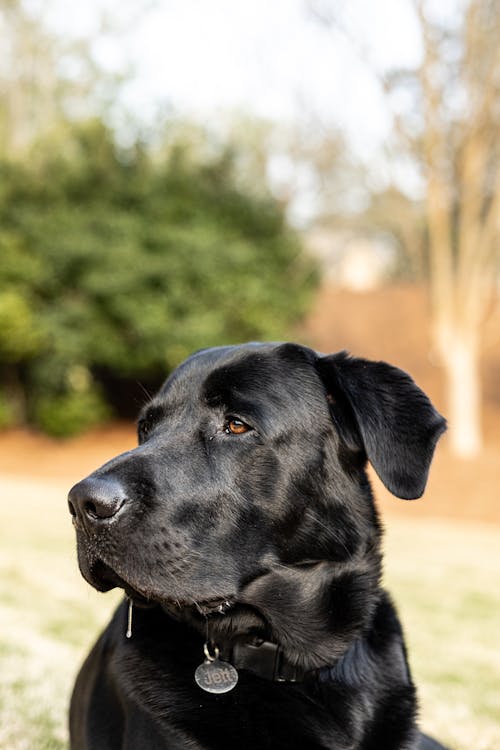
95,500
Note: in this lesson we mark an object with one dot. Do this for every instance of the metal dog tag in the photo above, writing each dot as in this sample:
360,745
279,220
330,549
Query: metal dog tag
214,675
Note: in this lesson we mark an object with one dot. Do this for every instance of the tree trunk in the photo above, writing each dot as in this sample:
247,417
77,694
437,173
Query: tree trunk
460,357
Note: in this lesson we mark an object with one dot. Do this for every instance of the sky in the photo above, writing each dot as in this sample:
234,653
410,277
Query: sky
268,57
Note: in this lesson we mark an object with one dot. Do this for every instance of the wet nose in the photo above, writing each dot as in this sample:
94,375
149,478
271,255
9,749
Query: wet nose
95,500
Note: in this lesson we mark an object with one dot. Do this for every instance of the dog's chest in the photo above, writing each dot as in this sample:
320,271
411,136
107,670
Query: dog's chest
257,713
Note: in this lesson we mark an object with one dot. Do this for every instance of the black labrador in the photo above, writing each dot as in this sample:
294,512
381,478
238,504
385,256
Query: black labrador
244,534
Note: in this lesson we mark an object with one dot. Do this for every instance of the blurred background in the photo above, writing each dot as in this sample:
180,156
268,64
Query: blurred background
177,174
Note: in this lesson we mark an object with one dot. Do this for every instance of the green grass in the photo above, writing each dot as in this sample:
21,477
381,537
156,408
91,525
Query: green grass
444,578
49,616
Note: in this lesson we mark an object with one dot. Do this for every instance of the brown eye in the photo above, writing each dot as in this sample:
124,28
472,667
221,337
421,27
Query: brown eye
235,426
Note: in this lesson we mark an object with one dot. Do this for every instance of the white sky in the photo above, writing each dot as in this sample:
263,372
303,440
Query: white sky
264,56
268,57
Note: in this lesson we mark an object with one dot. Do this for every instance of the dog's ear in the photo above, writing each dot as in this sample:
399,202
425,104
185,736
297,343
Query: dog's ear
380,411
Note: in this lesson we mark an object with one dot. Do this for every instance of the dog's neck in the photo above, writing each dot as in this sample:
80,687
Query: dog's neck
350,666
309,617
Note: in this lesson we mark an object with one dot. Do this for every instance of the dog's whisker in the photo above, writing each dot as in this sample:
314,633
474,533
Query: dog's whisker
143,388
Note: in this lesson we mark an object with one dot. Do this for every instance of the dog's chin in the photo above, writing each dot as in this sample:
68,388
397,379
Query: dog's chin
103,578
229,618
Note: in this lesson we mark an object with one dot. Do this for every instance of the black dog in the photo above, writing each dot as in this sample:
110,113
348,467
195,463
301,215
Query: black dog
243,530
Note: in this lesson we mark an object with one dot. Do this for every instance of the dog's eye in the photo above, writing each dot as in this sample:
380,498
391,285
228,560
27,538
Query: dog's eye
234,426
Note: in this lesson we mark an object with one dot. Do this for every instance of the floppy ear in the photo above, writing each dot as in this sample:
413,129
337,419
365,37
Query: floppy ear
378,409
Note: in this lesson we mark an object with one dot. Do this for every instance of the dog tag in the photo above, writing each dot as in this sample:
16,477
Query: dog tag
214,675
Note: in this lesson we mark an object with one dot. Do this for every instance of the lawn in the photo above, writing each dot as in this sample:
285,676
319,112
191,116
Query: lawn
445,577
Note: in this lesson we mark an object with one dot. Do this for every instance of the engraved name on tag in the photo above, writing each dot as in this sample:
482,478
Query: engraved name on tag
216,676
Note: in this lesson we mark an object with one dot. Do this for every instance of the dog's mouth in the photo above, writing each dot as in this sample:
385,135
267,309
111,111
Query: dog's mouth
104,578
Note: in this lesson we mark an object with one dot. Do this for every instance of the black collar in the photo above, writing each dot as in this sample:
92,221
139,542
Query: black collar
265,659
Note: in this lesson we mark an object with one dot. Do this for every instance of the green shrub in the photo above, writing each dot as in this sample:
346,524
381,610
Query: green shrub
122,265
7,412
20,333
69,413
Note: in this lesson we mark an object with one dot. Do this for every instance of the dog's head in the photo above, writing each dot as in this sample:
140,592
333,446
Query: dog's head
247,498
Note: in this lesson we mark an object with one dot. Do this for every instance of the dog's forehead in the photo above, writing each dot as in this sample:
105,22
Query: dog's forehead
256,371
192,374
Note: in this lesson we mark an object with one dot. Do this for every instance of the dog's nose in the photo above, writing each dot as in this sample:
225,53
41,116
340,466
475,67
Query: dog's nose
95,499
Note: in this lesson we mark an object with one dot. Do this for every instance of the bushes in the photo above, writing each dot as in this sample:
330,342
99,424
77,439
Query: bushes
69,413
118,266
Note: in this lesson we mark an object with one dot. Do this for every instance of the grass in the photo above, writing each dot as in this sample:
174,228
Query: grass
49,615
444,577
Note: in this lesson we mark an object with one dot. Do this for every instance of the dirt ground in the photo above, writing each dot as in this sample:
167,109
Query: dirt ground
388,324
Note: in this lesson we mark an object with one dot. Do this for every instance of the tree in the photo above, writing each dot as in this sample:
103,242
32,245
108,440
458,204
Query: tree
462,172
452,134
118,265
49,80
